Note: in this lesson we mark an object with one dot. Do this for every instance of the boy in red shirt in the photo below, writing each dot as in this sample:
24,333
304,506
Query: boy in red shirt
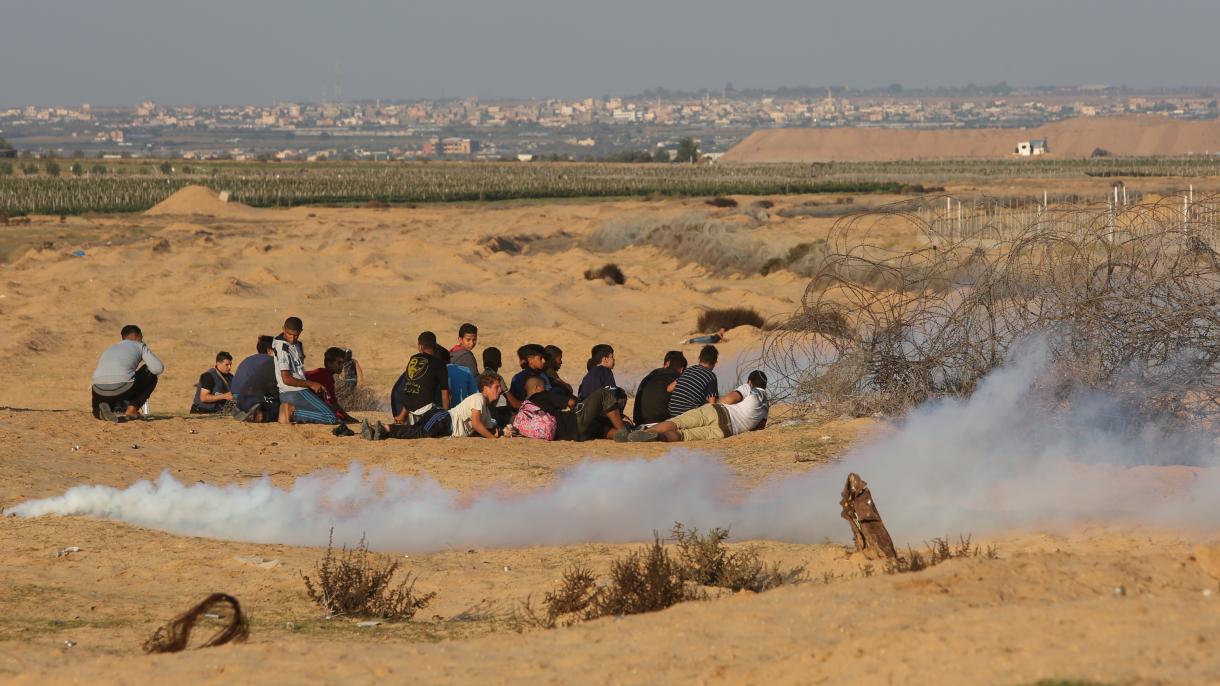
332,360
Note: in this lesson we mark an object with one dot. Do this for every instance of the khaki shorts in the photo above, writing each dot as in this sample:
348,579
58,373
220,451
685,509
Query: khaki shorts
704,423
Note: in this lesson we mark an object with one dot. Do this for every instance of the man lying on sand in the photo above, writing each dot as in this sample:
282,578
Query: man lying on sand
125,377
745,409
255,389
303,395
214,389
710,339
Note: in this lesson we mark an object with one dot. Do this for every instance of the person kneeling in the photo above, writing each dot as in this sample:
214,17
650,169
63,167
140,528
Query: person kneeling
745,409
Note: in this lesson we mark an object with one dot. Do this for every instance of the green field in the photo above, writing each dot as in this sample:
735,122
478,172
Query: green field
135,185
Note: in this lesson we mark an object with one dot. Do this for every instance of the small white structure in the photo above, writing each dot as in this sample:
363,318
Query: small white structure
1036,146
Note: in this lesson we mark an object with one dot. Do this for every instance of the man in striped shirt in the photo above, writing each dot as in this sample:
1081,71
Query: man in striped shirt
696,385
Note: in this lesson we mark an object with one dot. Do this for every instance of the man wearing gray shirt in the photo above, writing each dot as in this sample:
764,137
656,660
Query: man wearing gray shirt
120,383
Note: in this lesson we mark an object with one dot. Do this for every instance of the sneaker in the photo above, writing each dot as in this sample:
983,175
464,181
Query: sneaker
643,436
105,413
342,431
622,435
366,431
379,431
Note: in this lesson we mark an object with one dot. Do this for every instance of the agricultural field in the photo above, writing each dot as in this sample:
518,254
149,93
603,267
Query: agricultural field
136,185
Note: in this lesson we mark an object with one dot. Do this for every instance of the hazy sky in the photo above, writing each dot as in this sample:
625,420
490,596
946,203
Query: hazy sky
225,51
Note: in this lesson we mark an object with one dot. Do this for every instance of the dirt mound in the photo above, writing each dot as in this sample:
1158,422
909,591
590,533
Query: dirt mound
199,200
1077,137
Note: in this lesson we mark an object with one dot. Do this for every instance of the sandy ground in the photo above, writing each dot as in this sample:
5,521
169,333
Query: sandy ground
1045,608
1074,138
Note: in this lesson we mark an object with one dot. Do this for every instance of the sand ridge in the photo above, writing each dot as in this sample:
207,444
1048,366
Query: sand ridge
1078,137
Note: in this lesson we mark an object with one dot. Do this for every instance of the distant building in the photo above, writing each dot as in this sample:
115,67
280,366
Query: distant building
1037,146
459,146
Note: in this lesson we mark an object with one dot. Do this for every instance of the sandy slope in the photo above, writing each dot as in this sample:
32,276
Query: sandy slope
371,279
1077,137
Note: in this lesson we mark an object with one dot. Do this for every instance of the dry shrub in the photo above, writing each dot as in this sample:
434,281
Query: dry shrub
650,579
720,201
645,580
714,319
359,583
939,550
174,636
706,562
610,273
762,204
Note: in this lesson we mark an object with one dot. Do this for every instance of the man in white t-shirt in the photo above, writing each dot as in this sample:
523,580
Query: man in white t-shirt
473,415
300,399
745,409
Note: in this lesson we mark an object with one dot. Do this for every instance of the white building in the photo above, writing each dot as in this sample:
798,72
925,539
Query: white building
1036,146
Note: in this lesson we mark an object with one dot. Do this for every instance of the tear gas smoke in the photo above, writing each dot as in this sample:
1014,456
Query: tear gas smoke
977,465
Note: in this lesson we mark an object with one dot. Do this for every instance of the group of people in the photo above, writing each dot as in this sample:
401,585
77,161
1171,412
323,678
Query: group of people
442,392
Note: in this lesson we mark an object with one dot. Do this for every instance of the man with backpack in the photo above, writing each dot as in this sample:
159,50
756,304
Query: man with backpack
214,391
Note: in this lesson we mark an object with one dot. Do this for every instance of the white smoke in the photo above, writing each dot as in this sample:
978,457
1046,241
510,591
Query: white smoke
995,461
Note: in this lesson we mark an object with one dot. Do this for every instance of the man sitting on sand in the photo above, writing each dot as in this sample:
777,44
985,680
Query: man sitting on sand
462,354
653,394
473,416
710,339
462,383
553,363
697,385
533,364
332,366
303,395
255,388
125,377
492,361
598,416
745,409
600,371
423,388
215,387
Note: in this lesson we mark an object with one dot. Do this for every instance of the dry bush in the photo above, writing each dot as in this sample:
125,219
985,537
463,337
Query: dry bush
610,273
645,580
705,561
650,579
713,319
722,202
720,246
939,550
359,583
358,398
763,204
1124,298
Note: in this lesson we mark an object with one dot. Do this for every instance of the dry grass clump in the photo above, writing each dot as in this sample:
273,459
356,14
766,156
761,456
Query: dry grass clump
175,636
720,201
610,273
645,580
358,583
721,246
650,579
705,561
939,550
714,319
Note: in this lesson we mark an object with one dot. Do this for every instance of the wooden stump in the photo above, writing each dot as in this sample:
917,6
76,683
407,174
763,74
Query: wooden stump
872,538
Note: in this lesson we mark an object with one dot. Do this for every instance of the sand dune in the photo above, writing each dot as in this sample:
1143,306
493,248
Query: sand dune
1077,137
198,200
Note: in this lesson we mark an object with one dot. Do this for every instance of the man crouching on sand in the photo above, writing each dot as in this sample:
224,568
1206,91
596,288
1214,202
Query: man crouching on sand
120,383
743,410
